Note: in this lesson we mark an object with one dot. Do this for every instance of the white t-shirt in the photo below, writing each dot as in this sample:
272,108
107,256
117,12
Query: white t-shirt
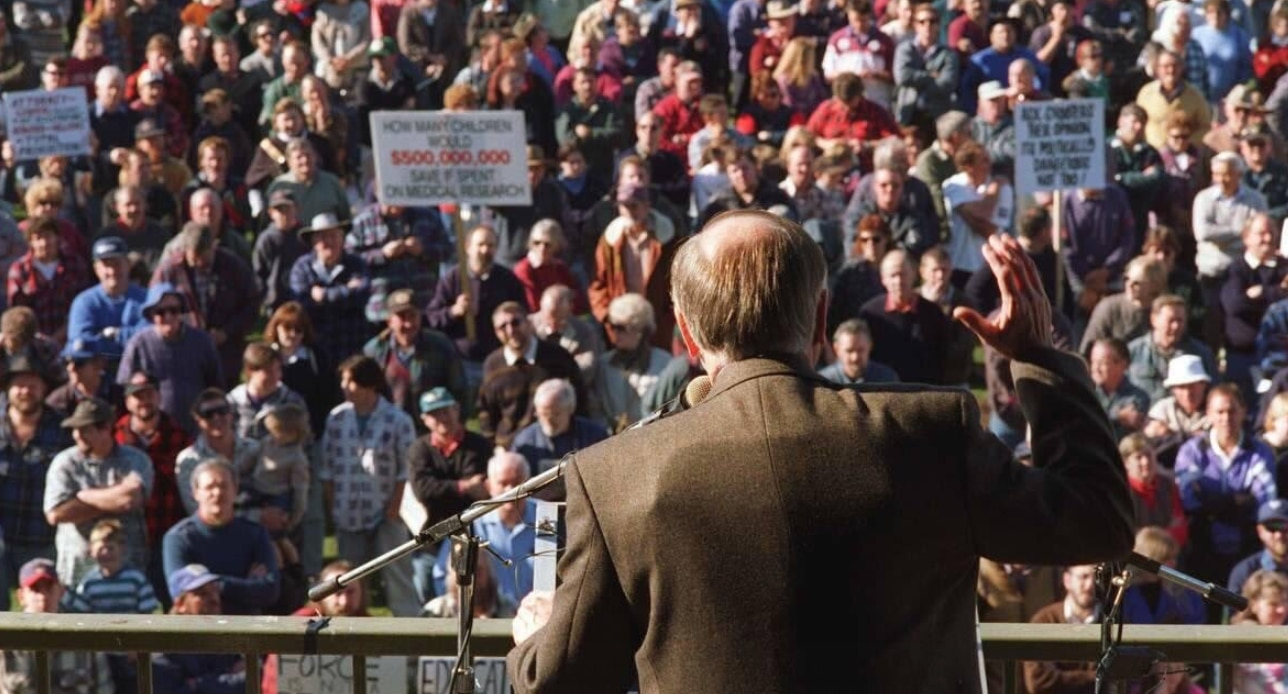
964,246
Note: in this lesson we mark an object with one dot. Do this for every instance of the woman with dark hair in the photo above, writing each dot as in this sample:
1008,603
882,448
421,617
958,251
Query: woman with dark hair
860,279
766,118
508,90
290,332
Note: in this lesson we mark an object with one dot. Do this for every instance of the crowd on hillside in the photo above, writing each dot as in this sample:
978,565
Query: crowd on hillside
220,346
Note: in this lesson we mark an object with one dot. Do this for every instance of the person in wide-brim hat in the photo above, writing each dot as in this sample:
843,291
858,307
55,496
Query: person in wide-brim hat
322,222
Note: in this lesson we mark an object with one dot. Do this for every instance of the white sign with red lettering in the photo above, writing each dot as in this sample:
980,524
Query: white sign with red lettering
436,157
42,123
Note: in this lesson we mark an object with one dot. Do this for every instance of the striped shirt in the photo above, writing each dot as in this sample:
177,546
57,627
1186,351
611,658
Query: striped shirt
126,592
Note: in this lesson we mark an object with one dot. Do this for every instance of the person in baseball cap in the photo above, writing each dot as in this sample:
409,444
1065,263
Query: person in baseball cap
436,399
190,579
1272,531
39,590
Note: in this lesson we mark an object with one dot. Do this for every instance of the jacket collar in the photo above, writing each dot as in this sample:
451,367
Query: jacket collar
739,372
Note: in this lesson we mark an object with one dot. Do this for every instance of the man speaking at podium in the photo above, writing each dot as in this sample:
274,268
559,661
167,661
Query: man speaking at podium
788,534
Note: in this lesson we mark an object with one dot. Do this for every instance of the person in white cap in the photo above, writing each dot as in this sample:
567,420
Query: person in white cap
1181,412
993,126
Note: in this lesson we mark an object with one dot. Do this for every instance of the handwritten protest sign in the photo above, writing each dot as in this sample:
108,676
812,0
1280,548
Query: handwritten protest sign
1059,145
333,674
42,123
435,673
434,157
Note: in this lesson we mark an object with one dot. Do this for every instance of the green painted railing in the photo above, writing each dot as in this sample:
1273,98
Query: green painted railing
375,636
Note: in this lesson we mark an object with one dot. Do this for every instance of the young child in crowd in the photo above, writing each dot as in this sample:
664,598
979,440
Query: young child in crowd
281,475
112,586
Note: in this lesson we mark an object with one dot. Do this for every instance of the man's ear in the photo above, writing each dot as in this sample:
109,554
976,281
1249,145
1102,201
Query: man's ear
690,345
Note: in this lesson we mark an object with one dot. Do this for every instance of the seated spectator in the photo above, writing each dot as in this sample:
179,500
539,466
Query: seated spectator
168,170
714,111
557,431
768,116
46,197
677,112
296,58
1218,226
629,370
860,279
304,370
155,106
198,591
1189,169
1149,599
333,286
590,119
1125,315
1125,403
1168,94
554,321
863,49
415,359
584,190
1256,280
993,62
908,332
162,207
1154,496
490,286
748,190
852,344
994,126
934,270
1163,244
1152,352
1100,237
850,119
1181,415
237,551
1079,606
143,237
182,359
1265,173
811,200
489,602
1272,531
512,372
542,267
113,586
665,169
349,601
1267,594
905,211
271,160
40,592
1224,478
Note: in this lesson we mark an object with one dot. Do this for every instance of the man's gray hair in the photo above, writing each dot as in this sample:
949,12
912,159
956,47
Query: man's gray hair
890,153
197,238
505,459
633,310
217,463
1230,159
109,74
558,390
950,124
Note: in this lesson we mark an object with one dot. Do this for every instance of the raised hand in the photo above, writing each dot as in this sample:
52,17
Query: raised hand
1024,320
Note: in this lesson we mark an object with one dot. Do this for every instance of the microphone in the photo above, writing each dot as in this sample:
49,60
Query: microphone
697,391
1211,591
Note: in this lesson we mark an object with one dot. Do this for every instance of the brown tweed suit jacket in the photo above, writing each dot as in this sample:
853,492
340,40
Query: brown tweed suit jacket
793,535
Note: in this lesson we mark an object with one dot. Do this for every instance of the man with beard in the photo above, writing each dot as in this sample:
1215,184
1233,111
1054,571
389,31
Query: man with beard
29,438
415,359
1079,606
181,358
152,431
94,480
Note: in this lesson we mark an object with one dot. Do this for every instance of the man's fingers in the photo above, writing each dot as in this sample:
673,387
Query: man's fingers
977,324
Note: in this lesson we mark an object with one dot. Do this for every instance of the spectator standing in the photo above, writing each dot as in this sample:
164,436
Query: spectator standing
414,359
94,480
333,286
364,469
1152,352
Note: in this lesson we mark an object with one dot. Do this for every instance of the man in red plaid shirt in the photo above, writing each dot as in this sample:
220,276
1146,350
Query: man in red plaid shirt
850,119
150,430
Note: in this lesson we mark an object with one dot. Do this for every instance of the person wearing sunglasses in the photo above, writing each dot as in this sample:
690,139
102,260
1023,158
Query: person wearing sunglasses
925,71
181,358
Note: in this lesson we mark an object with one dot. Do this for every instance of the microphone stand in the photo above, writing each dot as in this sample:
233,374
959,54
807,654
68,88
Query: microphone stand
1120,663
465,547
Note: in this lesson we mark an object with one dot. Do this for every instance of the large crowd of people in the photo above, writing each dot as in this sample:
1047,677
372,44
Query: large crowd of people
219,343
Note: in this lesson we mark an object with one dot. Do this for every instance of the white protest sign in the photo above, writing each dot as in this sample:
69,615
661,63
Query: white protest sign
434,673
42,123
333,674
435,157
1059,145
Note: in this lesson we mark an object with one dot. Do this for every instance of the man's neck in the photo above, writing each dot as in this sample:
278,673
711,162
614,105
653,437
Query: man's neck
364,406
480,270
23,419
145,427
259,391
